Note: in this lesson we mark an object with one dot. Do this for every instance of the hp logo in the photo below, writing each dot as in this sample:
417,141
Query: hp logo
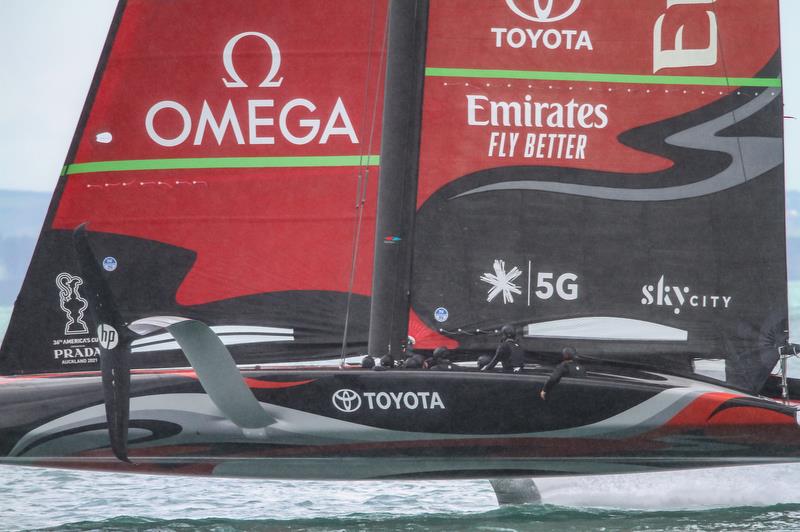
346,400
107,336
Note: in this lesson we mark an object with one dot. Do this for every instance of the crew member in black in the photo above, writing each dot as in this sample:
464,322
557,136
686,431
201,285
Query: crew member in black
439,361
567,367
387,362
484,360
413,360
508,352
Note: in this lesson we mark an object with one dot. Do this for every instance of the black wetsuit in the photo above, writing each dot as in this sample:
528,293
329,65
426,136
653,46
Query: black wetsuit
438,364
567,368
414,361
509,353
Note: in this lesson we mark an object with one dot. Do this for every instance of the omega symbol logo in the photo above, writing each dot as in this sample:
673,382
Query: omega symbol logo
346,400
227,60
542,10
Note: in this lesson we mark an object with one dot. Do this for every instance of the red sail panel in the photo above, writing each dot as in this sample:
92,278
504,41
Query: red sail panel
602,46
605,174
201,95
227,165
254,230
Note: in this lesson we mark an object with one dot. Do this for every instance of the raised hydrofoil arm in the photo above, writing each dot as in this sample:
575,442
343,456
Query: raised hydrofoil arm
208,356
215,368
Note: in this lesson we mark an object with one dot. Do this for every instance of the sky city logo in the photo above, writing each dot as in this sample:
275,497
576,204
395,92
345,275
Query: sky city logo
542,10
677,297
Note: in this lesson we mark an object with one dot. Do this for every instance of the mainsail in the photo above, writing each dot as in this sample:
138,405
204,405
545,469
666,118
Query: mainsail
226,167
605,174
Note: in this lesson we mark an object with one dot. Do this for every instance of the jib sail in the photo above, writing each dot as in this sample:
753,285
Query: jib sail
226,167
604,174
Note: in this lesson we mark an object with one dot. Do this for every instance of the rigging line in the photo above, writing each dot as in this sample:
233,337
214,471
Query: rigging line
366,98
733,112
725,71
381,66
363,177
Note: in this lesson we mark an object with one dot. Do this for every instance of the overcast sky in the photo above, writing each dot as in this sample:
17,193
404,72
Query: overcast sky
49,49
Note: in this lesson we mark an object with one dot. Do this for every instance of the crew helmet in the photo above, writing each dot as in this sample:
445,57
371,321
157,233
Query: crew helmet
441,352
568,353
483,361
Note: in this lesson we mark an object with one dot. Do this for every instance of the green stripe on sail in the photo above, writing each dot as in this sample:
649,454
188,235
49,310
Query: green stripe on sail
602,78
191,163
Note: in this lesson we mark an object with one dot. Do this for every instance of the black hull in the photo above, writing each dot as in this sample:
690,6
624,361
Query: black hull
361,424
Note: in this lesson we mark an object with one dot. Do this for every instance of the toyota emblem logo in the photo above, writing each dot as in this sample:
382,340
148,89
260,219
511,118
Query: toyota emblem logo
543,13
346,400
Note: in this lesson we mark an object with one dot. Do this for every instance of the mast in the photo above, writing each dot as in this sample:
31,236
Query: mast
397,191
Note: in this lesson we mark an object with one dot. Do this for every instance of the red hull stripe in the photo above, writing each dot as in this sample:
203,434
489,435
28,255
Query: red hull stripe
251,383
255,383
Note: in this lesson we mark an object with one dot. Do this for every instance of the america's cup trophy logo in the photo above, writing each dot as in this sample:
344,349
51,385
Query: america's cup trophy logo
72,303
542,10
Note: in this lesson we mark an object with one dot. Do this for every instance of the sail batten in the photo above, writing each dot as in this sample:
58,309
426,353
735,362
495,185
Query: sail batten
223,162
632,79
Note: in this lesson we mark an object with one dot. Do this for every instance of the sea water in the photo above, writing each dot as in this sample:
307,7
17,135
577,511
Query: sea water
741,498
738,498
